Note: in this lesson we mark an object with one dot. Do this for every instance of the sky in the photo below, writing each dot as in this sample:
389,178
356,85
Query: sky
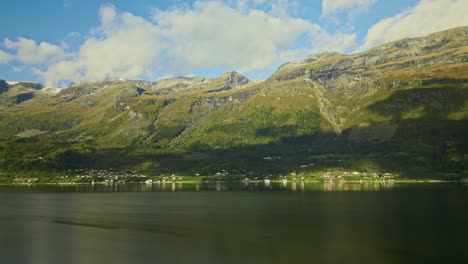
59,41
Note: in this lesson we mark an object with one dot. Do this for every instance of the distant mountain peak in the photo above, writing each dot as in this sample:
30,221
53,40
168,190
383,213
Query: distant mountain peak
234,78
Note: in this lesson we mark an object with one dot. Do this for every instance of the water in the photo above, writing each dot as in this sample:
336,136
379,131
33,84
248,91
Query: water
235,223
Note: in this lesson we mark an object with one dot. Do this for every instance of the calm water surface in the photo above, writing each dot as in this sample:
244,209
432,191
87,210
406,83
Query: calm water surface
235,223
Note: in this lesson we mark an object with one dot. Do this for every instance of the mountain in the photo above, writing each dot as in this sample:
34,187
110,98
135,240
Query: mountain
401,107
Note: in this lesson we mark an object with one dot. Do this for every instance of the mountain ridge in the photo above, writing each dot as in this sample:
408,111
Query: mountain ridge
457,32
399,107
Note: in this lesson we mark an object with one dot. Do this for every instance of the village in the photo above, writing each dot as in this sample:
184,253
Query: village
362,176
104,176
110,177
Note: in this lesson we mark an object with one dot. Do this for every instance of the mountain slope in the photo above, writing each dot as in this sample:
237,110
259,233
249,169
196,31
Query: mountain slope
400,107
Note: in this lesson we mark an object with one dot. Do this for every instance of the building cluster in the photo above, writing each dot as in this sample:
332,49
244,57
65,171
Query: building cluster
362,175
272,158
103,175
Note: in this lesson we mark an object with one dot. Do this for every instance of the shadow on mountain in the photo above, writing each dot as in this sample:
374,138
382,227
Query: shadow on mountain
422,134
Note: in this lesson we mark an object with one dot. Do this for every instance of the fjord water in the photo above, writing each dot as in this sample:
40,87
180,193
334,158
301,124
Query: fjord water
235,223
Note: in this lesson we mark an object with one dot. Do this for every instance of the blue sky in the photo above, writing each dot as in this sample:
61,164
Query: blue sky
58,41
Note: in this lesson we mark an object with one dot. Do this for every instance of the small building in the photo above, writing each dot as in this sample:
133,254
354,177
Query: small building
272,158
149,181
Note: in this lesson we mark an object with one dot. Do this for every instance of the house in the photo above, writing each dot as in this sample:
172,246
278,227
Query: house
388,175
272,158
149,181
328,175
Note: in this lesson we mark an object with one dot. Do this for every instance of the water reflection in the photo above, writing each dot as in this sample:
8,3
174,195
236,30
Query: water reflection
259,223
365,186
284,185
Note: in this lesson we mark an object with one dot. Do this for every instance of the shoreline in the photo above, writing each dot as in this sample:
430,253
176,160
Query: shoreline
201,182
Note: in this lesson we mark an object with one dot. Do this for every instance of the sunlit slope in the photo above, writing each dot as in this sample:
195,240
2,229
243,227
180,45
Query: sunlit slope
400,105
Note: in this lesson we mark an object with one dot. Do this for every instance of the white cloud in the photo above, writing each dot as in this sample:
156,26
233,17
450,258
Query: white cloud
179,41
245,4
330,7
213,34
108,13
28,52
4,57
426,17
124,46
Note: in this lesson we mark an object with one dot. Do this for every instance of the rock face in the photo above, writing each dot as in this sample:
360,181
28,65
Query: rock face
215,102
235,79
3,86
24,97
404,63
70,94
28,85
364,71
230,80
182,82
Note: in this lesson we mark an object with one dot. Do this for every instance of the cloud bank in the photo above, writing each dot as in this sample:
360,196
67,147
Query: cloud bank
124,46
330,7
213,34
252,36
426,17
29,52
4,57
179,41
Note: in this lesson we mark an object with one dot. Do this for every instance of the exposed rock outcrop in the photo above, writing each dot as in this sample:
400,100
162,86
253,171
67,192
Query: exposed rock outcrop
3,86
24,97
364,71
